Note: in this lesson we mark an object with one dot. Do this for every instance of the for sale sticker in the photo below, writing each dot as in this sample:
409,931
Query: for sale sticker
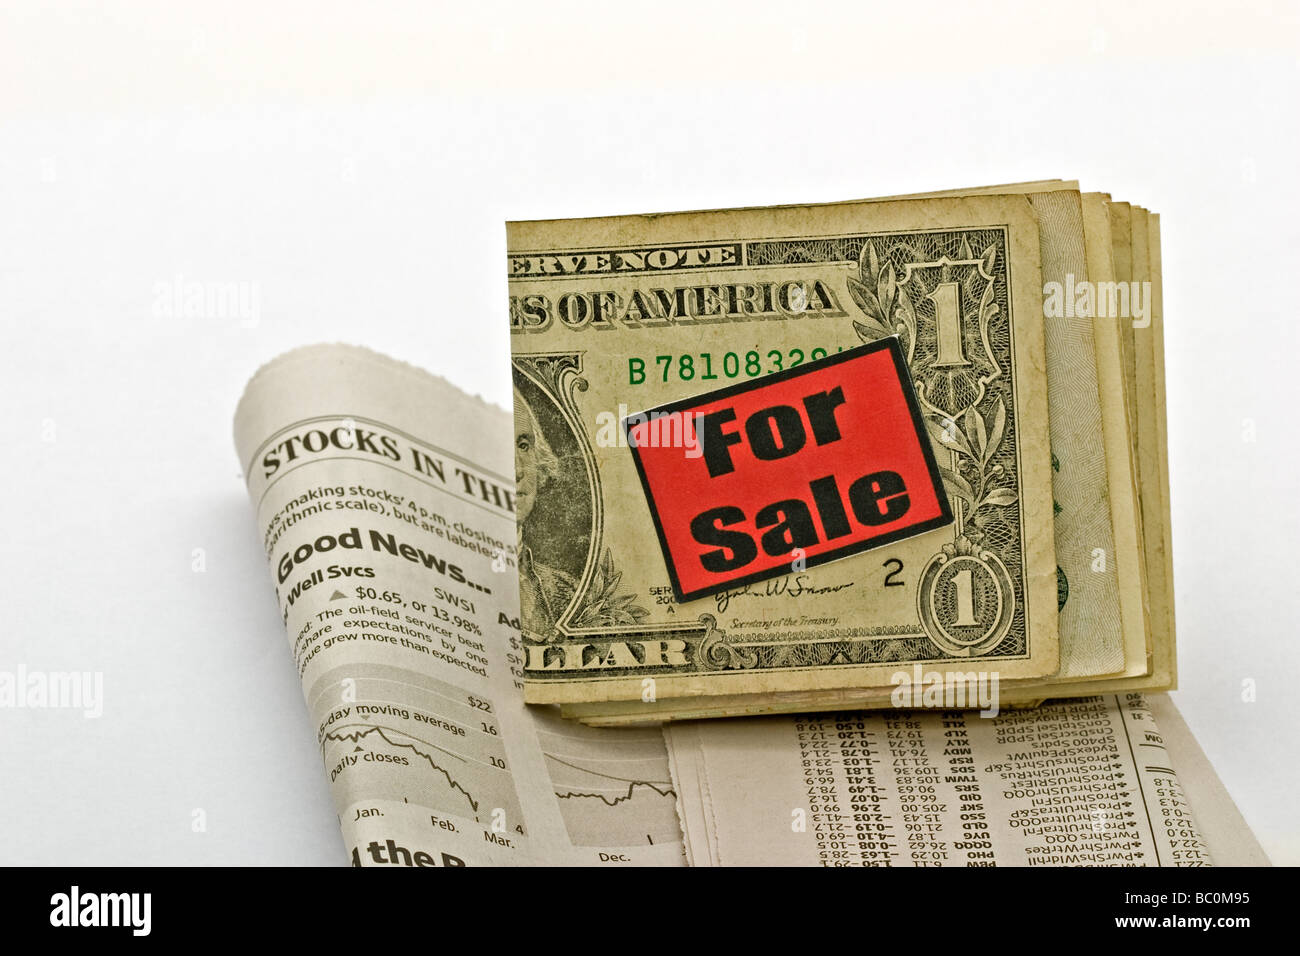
807,465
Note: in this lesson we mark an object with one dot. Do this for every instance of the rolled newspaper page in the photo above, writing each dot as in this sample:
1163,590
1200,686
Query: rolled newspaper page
385,501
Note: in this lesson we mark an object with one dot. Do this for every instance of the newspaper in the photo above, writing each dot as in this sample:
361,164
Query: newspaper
1084,782
386,502
384,497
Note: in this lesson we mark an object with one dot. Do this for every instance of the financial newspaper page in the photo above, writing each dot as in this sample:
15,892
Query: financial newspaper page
1086,782
385,500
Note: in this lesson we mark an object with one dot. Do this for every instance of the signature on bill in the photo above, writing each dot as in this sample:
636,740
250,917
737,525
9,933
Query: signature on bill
791,586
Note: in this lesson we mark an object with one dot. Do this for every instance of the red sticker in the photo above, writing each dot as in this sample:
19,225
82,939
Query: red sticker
811,464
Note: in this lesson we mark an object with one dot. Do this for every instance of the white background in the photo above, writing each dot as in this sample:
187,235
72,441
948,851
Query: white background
354,163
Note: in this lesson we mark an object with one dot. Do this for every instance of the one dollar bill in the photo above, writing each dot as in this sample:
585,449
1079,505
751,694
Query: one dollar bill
613,316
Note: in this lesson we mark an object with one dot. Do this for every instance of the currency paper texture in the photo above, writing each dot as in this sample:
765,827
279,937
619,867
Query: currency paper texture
1099,306
618,315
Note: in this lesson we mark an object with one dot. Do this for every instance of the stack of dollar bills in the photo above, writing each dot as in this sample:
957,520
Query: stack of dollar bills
716,507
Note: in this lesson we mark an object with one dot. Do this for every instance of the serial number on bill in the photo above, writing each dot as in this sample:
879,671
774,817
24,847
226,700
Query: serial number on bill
710,366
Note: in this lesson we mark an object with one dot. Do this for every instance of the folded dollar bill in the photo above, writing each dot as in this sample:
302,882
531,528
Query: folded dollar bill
809,457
